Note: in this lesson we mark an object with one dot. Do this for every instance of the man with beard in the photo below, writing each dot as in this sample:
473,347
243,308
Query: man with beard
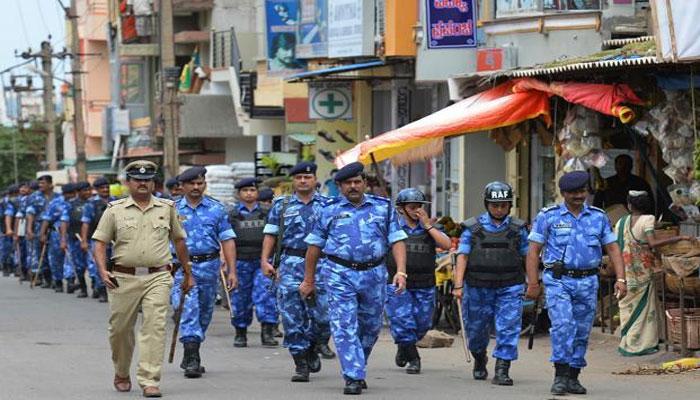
492,251
208,232
92,212
37,204
355,231
289,222
573,235
50,234
142,227
76,257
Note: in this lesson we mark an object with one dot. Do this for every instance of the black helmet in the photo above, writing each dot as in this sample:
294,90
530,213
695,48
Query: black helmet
498,192
411,195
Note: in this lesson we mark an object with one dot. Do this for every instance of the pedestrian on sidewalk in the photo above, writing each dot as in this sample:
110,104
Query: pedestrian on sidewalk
141,227
573,235
355,232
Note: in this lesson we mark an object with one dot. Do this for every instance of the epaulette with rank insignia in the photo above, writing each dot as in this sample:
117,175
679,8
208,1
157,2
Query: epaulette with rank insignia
164,201
380,198
331,200
550,208
597,209
214,200
116,202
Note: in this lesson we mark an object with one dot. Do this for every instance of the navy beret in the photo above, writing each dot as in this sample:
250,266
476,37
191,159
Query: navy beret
192,173
349,171
304,167
573,181
171,183
82,185
34,185
14,188
246,182
68,187
47,178
101,181
265,194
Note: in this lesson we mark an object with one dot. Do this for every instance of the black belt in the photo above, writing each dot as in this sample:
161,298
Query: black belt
204,257
294,252
358,266
558,272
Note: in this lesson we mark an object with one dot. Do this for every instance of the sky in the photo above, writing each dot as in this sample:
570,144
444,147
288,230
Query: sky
26,23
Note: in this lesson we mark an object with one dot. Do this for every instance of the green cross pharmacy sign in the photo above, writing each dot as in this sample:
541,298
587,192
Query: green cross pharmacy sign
330,102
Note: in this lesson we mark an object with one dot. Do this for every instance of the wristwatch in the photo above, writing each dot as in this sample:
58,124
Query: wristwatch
622,280
405,275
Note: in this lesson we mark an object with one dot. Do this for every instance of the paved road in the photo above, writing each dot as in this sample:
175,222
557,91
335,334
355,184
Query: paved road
54,346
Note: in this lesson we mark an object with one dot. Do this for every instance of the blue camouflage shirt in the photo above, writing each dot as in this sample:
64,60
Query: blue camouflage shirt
298,219
53,212
36,205
206,225
22,206
465,241
582,237
10,207
356,233
90,208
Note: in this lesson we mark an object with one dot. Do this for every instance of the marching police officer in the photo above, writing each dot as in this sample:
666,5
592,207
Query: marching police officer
208,233
355,232
92,212
410,312
76,257
51,223
573,235
8,220
174,188
248,219
289,222
492,251
26,190
37,204
265,196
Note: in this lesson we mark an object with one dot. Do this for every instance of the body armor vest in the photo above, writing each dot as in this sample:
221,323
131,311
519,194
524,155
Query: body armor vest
100,207
495,260
76,212
420,261
2,213
249,232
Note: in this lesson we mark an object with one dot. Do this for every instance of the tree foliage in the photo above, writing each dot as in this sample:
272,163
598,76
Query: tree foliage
29,147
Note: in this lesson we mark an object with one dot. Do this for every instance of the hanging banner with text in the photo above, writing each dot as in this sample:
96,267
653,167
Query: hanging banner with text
451,23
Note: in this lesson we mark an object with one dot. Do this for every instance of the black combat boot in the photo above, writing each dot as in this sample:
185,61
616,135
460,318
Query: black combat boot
352,386
103,294
276,330
48,283
561,379
241,339
95,290
313,358
301,372
324,350
400,358
6,268
82,285
575,386
70,286
413,360
480,373
58,286
192,360
501,375
267,337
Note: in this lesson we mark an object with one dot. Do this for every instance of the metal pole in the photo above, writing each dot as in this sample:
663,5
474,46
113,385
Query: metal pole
14,136
167,60
78,123
49,112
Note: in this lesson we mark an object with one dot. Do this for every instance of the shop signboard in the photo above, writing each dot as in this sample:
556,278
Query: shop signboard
489,59
312,38
330,101
677,29
350,28
451,23
281,28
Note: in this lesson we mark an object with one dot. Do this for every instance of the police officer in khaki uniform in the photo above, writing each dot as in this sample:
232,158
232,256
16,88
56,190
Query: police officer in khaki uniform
141,227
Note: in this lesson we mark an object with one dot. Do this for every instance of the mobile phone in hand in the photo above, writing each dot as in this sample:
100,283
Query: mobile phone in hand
114,281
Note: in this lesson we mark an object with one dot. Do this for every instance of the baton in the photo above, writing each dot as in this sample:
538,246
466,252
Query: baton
20,262
226,291
463,332
535,317
178,316
38,268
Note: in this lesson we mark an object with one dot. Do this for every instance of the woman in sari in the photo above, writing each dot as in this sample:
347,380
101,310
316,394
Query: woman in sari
638,309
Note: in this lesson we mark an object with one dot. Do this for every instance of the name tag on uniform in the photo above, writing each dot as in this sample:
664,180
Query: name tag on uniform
292,213
344,215
252,224
418,248
563,225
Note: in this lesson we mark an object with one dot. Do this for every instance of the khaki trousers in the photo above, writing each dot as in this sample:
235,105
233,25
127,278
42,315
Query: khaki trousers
152,293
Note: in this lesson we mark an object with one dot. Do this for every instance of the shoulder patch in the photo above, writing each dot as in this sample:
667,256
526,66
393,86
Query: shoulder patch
331,200
550,208
517,222
597,209
116,202
164,201
380,198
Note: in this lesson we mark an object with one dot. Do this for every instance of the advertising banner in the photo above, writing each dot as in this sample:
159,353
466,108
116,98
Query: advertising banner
282,21
312,39
451,23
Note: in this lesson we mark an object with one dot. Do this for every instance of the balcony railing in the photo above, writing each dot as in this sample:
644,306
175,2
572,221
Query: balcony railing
506,9
129,34
225,51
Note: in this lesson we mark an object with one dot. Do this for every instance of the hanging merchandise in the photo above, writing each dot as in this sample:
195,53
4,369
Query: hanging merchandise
580,143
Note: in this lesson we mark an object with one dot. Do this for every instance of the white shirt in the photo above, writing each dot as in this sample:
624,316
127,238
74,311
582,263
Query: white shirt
141,7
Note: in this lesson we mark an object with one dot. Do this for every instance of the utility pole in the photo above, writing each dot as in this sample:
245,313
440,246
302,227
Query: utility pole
49,111
18,90
168,89
78,123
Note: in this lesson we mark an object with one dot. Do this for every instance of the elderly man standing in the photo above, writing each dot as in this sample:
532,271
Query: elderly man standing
141,227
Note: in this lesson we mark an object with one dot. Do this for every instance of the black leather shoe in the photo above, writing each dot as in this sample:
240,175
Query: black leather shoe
413,360
352,386
501,376
192,361
400,358
314,359
574,386
480,373
301,372
241,339
325,351
276,331
561,379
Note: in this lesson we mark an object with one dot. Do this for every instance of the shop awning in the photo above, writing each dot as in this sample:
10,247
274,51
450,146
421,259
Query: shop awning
338,70
507,104
303,138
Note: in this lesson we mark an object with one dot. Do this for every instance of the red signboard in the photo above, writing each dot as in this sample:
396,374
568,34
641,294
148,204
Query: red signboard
489,59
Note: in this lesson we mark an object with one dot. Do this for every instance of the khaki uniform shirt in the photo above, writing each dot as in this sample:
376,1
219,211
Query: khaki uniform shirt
141,237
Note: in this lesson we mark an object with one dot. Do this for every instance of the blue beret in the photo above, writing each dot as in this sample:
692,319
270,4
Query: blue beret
171,183
101,181
192,173
47,178
349,171
246,182
573,181
82,185
68,187
14,188
304,167
265,194
34,185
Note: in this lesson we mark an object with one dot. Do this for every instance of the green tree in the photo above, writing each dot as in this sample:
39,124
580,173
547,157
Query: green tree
29,148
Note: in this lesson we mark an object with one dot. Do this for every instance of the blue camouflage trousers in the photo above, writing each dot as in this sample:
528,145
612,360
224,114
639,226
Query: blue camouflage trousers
34,255
320,323
76,260
92,266
255,290
6,254
199,301
502,307
410,313
571,304
24,254
56,255
356,301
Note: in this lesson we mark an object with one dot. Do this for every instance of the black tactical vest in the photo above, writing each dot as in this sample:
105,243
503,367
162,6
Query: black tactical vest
100,207
2,214
76,212
495,260
249,232
420,261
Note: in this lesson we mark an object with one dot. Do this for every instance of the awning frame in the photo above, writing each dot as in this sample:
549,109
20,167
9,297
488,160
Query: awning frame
331,73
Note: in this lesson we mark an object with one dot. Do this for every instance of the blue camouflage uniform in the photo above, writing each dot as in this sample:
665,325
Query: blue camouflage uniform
297,316
23,248
255,290
356,298
571,302
75,258
10,209
410,313
88,217
52,215
206,226
487,306
36,206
